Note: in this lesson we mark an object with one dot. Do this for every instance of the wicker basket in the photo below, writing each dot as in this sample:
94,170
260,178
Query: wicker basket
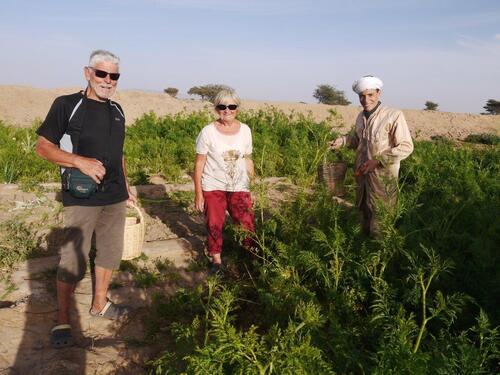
133,235
333,175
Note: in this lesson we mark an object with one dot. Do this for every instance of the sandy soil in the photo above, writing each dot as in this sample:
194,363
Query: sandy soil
21,105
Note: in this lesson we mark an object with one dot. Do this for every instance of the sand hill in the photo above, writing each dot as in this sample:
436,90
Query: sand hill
20,105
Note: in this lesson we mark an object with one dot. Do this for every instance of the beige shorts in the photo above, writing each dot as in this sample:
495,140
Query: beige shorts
80,222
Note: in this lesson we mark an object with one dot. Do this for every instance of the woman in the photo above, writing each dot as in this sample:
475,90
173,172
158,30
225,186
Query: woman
222,173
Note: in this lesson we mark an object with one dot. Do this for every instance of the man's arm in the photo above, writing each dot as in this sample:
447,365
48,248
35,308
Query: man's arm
132,199
349,140
401,141
51,152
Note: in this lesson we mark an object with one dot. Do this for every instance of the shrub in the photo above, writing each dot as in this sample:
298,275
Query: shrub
172,91
18,161
18,242
208,92
492,107
327,94
483,138
430,106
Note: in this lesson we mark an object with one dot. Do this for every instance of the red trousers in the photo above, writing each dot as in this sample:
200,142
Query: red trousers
239,206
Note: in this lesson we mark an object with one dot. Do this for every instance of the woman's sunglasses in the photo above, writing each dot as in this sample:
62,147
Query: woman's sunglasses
102,74
222,107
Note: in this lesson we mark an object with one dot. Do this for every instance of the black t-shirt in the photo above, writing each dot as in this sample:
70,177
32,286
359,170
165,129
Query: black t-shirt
101,137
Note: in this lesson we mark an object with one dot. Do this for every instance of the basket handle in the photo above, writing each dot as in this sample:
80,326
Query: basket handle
136,207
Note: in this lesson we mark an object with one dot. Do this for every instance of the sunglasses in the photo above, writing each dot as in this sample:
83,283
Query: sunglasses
103,74
222,107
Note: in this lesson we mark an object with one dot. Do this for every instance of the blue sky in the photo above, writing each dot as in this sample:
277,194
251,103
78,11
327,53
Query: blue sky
447,51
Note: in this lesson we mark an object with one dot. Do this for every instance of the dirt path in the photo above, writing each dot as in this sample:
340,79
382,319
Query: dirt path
28,302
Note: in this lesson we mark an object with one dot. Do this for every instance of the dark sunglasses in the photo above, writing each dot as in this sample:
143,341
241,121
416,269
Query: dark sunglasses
222,107
102,74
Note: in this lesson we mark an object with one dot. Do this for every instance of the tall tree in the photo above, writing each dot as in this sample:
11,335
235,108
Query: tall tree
492,107
430,106
328,94
172,91
208,92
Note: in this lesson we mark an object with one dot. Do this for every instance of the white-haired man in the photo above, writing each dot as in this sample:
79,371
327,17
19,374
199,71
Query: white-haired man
84,134
382,139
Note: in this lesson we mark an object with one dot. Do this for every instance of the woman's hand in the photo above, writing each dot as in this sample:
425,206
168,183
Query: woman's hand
199,202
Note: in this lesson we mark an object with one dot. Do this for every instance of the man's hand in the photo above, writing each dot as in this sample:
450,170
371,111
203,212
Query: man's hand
367,167
132,199
91,167
336,144
199,202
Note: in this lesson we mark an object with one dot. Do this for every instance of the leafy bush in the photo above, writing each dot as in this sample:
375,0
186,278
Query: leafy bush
327,94
18,161
18,242
483,138
431,106
423,299
319,297
492,107
172,91
284,145
208,92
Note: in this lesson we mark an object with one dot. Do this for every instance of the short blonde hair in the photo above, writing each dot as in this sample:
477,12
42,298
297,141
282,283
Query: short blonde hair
226,96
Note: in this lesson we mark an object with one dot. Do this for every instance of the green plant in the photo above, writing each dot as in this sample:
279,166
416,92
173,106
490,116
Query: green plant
430,106
483,138
492,107
18,242
172,91
327,94
208,92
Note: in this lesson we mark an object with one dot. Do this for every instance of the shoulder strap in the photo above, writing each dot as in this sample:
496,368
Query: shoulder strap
66,143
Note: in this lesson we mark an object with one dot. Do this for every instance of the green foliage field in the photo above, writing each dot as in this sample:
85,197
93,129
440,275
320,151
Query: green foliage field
320,298
18,161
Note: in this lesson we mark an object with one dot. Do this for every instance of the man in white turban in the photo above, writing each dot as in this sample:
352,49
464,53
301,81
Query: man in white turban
382,139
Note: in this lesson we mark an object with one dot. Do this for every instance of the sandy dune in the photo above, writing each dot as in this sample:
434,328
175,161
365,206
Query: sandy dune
20,105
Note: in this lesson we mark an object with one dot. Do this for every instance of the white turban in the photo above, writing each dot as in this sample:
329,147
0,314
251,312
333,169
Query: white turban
367,83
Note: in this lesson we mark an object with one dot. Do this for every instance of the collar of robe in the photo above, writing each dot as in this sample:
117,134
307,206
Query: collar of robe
367,114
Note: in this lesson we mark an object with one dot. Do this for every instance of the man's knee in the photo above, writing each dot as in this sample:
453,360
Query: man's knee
72,276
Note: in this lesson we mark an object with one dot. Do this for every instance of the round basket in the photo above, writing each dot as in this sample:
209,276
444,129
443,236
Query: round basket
333,175
133,235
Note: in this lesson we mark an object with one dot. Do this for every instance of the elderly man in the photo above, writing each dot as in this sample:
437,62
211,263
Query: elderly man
382,139
84,134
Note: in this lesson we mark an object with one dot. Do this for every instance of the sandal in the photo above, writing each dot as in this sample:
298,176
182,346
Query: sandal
60,336
112,311
215,269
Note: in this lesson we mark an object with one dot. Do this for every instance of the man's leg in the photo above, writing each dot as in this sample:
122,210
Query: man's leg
365,213
102,280
79,226
64,293
109,245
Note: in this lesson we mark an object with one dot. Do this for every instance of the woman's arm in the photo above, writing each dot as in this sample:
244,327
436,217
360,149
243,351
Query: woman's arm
250,167
199,165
